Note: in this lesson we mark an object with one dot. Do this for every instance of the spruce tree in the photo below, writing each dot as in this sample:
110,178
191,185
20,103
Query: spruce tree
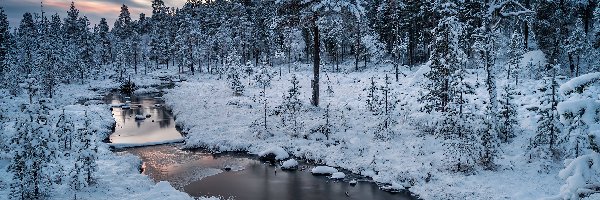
507,114
446,58
514,55
34,145
373,101
72,35
4,42
235,82
545,141
123,32
263,81
577,48
291,108
104,41
579,113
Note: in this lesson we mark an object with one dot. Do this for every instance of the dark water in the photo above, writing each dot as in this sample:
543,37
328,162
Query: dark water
200,173
158,126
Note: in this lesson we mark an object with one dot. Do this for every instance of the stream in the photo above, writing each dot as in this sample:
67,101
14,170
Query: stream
148,128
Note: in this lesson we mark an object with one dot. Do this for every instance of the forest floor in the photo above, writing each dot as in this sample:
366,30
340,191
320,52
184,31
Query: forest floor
403,157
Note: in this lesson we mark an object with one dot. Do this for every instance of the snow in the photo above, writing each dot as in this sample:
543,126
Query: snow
215,119
578,82
280,153
118,176
589,106
130,145
323,170
289,164
338,175
582,176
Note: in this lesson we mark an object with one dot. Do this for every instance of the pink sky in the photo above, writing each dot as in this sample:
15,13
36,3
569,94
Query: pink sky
93,9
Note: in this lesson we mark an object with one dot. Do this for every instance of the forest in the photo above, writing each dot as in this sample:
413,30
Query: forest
435,97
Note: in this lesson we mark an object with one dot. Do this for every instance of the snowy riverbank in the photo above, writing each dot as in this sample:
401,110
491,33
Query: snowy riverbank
216,119
118,177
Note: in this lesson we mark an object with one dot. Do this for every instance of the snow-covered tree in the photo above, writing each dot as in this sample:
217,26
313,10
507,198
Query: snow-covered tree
4,42
484,53
104,41
545,144
291,107
514,55
235,82
263,81
313,11
581,177
373,98
387,105
507,114
579,114
85,156
577,48
160,32
123,32
446,58
33,146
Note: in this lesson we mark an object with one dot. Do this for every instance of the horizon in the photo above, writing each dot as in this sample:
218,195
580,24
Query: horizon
93,9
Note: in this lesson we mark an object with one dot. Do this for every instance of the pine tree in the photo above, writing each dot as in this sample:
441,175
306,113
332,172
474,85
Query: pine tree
457,128
4,42
579,114
84,155
86,62
234,81
27,46
72,35
507,114
312,12
597,26
484,51
34,147
263,80
446,58
104,41
291,108
545,142
387,105
160,32
123,32
577,48
514,55
373,101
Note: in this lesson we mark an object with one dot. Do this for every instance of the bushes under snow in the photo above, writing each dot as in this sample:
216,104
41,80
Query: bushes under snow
582,177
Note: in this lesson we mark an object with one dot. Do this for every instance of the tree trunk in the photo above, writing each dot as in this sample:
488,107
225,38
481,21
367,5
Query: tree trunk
317,61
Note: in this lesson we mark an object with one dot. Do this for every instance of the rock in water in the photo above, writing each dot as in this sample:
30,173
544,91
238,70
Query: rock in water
323,170
338,175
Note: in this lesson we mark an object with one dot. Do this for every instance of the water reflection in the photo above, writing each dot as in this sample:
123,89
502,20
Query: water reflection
157,126
200,173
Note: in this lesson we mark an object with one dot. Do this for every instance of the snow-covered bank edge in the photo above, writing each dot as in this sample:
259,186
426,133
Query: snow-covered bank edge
117,176
132,145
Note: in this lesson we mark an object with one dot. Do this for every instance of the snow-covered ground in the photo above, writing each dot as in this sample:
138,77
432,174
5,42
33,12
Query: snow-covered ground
118,177
216,119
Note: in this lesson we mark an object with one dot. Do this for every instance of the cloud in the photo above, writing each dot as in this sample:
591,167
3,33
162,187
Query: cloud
93,9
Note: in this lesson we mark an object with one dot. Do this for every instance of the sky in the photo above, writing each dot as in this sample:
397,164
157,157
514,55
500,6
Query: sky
93,9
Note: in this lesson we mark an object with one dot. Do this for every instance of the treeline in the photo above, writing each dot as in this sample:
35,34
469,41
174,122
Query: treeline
205,36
